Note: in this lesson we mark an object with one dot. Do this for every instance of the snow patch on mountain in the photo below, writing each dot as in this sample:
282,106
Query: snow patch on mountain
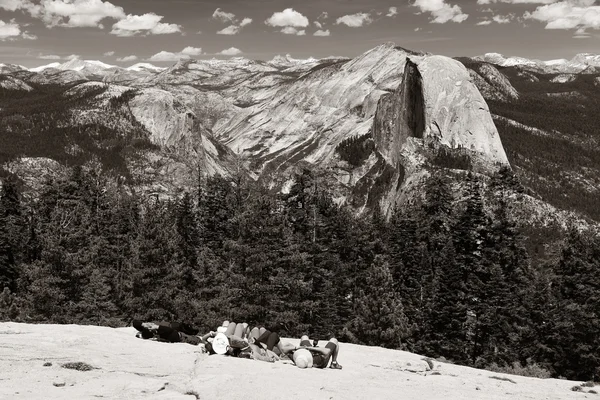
53,65
145,67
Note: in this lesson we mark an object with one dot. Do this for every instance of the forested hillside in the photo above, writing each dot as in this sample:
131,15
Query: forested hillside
551,137
54,123
449,276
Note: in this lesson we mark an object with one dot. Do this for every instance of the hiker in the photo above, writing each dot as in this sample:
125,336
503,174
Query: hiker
172,332
308,356
248,343
304,356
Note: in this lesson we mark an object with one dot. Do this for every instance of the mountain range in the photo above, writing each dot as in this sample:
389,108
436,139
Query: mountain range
371,127
584,63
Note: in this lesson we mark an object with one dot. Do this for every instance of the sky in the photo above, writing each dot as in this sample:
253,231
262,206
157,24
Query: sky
124,32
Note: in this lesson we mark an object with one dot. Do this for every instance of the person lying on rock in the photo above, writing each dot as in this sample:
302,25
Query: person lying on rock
304,356
307,356
248,343
172,332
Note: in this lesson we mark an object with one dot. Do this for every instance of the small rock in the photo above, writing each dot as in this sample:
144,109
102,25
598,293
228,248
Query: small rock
59,384
47,364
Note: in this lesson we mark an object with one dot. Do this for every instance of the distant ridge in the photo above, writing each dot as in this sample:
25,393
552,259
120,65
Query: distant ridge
581,63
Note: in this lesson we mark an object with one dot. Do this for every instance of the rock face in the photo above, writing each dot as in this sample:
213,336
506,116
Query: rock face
437,102
455,112
492,84
168,121
437,105
174,126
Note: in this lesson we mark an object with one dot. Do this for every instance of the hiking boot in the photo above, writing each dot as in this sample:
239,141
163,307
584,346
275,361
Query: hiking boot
335,365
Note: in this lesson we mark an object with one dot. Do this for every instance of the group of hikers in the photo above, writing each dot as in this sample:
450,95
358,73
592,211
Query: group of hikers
240,340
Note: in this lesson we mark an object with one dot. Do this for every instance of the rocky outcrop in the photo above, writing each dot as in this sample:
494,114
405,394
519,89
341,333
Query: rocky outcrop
12,83
400,115
456,114
437,102
492,84
564,78
174,126
436,106
169,122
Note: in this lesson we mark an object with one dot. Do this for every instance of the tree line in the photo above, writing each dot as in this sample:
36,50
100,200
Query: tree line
448,275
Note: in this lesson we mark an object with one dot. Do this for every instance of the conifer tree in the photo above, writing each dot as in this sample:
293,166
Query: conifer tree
575,334
379,317
469,236
12,230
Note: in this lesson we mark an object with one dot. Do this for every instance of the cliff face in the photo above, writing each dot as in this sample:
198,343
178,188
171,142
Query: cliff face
400,115
456,113
436,106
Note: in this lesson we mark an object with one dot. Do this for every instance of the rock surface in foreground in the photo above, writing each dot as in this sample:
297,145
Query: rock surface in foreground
129,368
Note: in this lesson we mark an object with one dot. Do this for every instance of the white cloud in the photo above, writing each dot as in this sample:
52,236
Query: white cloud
581,34
441,11
417,29
232,51
288,18
230,30
517,1
236,25
12,5
223,16
393,11
109,54
290,30
324,15
9,30
321,32
74,13
73,57
192,51
90,13
188,52
502,19
573,14
145,24
499,19
355,20
48,56
127,58
29,36
318,24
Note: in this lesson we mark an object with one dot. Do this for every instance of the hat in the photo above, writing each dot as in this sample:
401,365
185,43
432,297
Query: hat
220,343
303,358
